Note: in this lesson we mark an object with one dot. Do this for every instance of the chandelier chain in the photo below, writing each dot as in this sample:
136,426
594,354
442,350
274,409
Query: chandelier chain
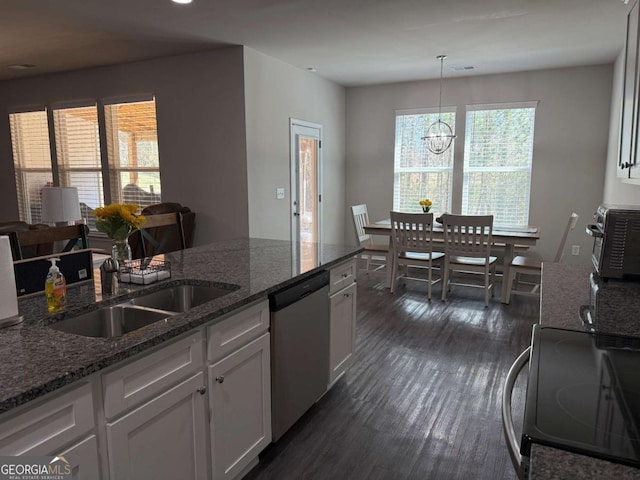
441,57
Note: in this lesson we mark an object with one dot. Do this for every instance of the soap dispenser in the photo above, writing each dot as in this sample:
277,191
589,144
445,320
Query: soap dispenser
55,288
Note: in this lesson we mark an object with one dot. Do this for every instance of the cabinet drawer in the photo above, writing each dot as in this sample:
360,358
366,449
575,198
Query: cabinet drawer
146,378
237,330
342,275
49,426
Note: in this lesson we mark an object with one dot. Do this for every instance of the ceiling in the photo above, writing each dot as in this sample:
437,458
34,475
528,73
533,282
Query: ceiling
351,42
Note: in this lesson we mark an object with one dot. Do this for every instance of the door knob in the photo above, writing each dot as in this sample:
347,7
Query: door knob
220,379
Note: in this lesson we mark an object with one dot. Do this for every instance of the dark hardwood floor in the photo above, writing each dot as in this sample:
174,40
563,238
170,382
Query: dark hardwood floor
422,399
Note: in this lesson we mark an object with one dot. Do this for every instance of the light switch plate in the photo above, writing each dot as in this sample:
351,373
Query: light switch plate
575,250
279,193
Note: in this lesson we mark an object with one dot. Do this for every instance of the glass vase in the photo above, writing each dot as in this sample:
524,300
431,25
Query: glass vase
121,251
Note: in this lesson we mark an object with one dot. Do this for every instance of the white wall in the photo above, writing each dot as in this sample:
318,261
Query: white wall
201,130
570,146
274,93
615,190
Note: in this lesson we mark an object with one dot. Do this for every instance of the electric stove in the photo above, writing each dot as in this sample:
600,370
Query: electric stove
583,394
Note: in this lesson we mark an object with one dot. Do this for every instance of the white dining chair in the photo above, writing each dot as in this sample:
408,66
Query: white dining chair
412,246
467,248
521,265
375,254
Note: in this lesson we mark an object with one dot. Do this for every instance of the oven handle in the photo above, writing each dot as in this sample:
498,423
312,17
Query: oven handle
507,414
594,231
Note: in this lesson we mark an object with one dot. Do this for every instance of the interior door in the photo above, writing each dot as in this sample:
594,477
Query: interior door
306,193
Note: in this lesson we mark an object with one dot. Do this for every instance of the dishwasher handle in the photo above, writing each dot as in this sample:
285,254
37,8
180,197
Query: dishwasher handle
507,413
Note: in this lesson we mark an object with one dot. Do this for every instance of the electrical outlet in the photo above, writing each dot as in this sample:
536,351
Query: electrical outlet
575,249
279,193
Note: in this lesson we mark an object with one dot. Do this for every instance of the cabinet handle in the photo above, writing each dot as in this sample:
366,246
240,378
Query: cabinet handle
220,379
202,390
345,275
346,295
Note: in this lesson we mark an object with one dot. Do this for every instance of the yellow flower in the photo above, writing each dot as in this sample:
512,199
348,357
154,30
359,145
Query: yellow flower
425,202
118,220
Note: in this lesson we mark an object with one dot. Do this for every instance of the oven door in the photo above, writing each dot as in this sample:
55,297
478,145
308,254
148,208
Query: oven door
519,462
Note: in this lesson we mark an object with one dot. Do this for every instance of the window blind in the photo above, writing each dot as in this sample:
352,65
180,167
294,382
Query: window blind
418,173
498,156
132,145
32,161
78,155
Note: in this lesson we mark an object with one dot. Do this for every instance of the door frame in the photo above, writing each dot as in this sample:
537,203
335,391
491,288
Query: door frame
293,123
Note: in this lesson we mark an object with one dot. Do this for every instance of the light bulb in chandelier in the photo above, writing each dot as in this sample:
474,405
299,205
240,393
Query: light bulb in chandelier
439,137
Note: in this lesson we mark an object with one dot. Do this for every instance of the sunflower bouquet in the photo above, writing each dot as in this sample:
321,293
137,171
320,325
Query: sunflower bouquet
425,204
118,220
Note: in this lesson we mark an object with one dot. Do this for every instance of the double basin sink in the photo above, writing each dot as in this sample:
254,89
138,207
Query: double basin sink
135,313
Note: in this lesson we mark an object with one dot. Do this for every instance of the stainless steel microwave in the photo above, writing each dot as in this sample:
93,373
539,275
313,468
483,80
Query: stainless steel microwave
616,240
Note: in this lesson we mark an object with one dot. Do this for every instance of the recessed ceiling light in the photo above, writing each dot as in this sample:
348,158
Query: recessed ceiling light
468,67
312,69
182,2
21,66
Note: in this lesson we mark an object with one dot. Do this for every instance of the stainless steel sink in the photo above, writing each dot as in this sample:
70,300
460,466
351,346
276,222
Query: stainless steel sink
139,312
180,298
110,321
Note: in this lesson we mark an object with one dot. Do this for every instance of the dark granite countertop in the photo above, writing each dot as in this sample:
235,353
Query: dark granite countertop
564,289
35,359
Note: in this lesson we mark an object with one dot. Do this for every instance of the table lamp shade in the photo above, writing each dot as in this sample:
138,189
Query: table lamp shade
60,204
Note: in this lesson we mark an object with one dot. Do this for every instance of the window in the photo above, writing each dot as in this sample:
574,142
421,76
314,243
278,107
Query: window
498,155
78,155
132,163
418,173
32,161
132,143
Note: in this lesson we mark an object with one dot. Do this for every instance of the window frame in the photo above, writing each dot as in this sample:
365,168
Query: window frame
25,206
114,169
397,205
467,169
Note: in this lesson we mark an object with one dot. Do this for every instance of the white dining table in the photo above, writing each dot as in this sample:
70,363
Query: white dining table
502,237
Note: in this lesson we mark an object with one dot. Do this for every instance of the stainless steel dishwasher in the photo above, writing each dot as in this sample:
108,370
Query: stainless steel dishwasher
299,349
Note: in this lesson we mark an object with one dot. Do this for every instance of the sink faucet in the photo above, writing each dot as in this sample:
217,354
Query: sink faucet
109,276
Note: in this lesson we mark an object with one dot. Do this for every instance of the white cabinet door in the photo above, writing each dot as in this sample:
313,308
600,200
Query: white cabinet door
342,332
163,439
82,459
240,402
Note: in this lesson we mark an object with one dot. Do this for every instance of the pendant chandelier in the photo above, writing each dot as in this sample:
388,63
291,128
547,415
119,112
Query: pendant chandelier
439,134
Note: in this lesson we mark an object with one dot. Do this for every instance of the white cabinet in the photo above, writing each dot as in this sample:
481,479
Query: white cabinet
342,276
156,413
238,329
163,439
146,377
82,459
239,354
58,425
165,414
342,314
629,151
342,331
